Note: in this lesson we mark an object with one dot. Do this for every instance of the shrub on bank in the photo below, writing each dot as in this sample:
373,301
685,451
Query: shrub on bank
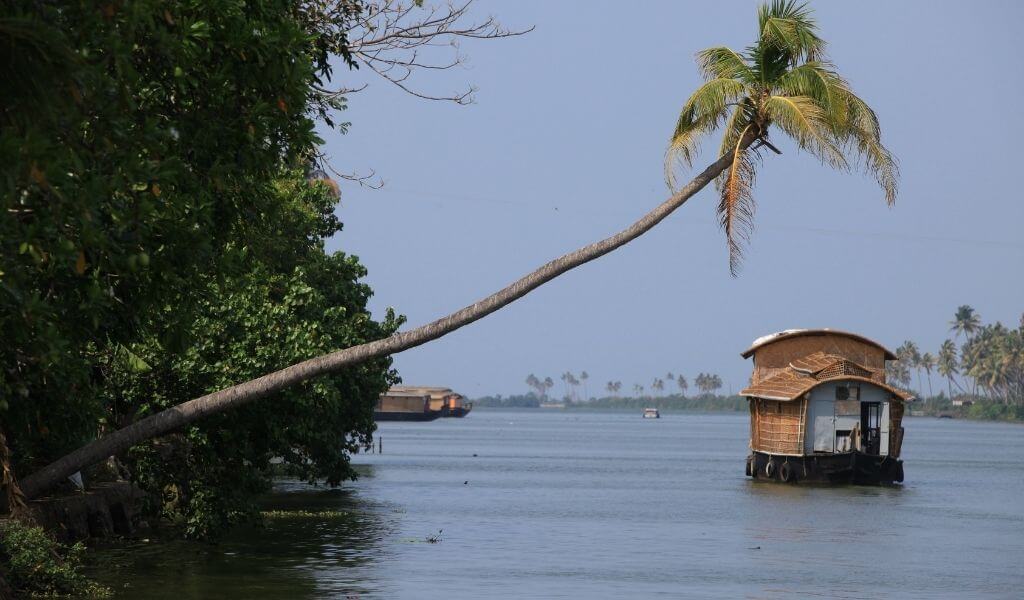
36,566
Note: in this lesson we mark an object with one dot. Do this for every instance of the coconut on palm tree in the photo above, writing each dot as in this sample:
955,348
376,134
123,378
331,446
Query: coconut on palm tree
783,82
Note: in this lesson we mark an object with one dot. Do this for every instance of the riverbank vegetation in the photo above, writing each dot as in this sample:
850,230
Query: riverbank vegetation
671,402
33,565
575,388
980,365
668,402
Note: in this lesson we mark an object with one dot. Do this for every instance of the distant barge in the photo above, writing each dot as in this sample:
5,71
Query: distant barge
404,406
420,403
821,410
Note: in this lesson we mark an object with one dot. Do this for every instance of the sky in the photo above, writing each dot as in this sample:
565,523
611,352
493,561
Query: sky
564,146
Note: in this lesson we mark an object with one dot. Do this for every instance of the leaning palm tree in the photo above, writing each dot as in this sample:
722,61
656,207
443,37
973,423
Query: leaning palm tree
784,82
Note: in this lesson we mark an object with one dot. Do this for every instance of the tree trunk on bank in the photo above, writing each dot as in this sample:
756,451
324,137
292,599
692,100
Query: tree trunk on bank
188,412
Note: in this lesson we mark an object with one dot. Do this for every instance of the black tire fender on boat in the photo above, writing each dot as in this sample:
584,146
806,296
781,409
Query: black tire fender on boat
769,469
899,472
751,469
786,472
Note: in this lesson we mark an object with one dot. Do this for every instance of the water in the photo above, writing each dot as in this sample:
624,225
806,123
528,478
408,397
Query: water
561,504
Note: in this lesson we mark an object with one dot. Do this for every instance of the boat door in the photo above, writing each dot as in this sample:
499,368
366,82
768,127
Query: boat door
871,426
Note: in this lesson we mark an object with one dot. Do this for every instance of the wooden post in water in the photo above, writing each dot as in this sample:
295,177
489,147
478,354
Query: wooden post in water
380,443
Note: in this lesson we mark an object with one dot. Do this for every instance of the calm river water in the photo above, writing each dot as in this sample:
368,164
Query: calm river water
555,504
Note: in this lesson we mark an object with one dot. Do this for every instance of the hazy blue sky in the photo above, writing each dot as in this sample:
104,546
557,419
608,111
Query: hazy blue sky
564,146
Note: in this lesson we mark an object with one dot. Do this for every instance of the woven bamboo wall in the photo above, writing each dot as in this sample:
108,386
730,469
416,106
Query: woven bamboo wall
401,403
895,428
777,427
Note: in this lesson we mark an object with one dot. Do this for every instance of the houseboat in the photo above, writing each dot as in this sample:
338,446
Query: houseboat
821,410
651,413
404,406
444,401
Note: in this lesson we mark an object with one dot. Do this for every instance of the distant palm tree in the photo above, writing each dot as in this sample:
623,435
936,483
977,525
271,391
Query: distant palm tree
638,390
966,321
910,356
548,384
927,363
784,80
536,384
948,365
658,385
715,383
897,372
610,386
584,376
683,385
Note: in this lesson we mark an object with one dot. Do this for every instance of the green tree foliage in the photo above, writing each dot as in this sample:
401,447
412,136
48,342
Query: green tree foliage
293,302
990,363
34,565
132,136
994,359
159,240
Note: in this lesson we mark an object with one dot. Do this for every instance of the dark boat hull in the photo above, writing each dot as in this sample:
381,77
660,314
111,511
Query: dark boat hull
849,467
397,415
459,412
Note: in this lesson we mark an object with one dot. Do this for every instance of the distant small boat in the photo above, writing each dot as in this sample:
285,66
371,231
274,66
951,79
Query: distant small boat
552,404
651,413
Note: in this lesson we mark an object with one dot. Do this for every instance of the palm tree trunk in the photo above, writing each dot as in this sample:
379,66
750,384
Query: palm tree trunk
188,412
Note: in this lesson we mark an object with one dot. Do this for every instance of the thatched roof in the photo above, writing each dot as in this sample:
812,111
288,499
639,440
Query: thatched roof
804,374
792,333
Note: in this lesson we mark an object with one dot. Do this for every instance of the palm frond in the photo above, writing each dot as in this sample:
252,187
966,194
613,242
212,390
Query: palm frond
721,62
817,80
862,135
803,119
702,113
735,125
736,206
789,27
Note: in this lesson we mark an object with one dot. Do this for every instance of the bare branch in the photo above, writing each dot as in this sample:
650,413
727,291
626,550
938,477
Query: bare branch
396,38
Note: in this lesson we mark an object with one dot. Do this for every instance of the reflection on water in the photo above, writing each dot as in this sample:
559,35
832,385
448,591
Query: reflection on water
608,505
307,532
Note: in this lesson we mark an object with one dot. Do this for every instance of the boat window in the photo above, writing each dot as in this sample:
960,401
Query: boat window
843,441
848,392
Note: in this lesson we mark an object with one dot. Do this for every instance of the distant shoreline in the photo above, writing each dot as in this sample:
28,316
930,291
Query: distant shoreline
939,406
